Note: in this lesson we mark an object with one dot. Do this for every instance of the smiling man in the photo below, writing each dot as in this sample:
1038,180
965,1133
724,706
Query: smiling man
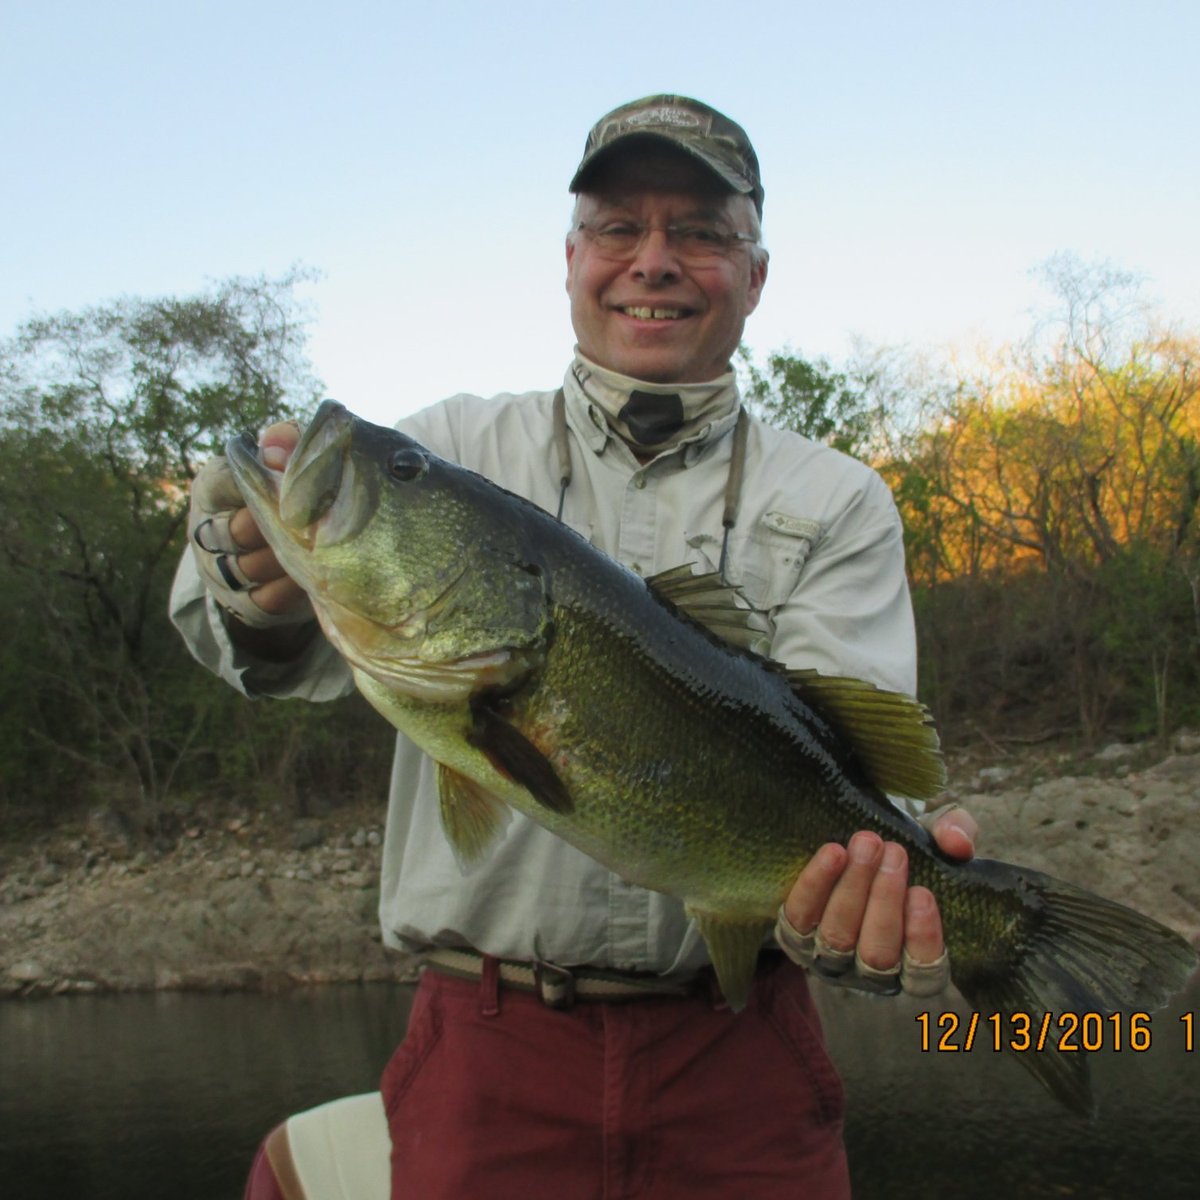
662,269
567,1034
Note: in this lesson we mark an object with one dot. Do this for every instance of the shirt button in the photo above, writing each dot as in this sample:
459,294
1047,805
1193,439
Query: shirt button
640,482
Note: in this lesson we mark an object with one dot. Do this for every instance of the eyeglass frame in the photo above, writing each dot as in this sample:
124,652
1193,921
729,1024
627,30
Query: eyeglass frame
726,239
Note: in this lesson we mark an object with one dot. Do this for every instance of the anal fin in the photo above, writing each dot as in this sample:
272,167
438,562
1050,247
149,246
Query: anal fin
733,945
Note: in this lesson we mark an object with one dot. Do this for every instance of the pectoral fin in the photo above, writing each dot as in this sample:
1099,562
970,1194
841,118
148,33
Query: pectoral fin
733,946
514,755
472,817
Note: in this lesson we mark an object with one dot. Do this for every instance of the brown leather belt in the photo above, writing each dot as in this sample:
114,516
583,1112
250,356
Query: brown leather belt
561,987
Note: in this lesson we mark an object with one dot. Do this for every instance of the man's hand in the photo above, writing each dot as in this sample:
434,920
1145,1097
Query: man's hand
237,565
853,919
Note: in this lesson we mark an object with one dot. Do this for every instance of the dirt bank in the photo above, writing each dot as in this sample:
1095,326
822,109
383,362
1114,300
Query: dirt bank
262,901
249,901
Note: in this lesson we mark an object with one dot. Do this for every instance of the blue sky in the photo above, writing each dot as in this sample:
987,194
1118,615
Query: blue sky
920,161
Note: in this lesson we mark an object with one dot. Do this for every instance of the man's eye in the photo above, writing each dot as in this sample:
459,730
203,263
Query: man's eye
619,229
701,235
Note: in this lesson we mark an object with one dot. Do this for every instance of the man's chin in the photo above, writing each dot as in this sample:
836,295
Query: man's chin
651,368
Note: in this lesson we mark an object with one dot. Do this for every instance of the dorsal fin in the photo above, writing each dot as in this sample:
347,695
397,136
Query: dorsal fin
892,735
718,606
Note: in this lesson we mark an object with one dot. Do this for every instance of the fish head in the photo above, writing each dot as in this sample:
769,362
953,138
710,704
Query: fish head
412,577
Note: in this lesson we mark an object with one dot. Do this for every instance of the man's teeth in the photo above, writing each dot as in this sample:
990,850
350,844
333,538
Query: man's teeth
657,314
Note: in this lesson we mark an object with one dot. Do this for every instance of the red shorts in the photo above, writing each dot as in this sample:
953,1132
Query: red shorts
494,1095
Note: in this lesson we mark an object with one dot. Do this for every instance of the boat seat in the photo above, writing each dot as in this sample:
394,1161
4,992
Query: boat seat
337,1151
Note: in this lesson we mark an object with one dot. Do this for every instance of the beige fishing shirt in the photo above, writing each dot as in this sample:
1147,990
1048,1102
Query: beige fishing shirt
817,546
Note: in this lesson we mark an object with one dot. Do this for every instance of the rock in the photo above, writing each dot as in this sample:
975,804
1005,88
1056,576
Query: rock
989,777
47,876
27,971
1181,767
307,834
1115,751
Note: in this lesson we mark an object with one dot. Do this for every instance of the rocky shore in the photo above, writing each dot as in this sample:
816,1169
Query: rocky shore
251,901
260,901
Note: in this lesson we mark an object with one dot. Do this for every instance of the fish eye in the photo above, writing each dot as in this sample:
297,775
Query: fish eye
407,464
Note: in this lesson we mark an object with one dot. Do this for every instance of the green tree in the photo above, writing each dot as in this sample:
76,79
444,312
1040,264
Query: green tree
815,399
105,416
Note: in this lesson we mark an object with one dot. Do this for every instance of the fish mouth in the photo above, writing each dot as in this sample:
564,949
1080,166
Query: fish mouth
314,498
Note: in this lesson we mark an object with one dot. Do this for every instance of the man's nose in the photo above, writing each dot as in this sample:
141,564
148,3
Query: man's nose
656,258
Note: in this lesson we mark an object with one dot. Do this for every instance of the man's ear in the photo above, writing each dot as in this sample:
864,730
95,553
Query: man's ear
570,261
758,280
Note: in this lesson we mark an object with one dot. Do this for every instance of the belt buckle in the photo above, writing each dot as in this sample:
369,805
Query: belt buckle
555,985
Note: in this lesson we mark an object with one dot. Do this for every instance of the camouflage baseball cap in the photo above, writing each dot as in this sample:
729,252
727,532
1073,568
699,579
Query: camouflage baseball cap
719,143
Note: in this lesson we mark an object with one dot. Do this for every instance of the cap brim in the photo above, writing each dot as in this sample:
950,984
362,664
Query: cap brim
731,179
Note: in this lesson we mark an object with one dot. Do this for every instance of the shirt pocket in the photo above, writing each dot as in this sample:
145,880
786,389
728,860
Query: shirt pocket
766,559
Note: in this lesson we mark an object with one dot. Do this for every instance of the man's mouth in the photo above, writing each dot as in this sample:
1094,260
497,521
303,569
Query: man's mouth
644,313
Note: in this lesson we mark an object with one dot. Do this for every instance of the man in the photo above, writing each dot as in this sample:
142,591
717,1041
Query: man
500,1089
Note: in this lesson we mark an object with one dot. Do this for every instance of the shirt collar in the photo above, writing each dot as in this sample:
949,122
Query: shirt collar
591,425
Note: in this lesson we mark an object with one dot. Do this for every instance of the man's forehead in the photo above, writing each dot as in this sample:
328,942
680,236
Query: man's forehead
683,204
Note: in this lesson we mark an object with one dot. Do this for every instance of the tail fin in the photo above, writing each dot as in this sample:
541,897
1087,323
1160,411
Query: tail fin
1067,952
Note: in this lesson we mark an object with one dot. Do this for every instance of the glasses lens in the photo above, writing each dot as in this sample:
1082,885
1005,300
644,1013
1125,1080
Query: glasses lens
621,240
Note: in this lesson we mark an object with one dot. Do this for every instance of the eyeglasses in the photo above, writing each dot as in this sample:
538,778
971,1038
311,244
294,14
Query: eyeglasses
695,241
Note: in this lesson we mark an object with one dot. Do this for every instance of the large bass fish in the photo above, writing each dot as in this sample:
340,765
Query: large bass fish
627,717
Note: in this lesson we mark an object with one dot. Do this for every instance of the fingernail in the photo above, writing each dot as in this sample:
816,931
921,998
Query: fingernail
894,858
274,457
864,848
920,902
965,835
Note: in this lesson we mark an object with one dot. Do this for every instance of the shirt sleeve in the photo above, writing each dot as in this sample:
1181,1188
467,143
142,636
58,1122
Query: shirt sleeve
319,673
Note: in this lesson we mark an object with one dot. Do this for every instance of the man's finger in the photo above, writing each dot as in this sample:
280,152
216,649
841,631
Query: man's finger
811,891
925,969
245,531
843,916
277,443
923,937
881,938
955,832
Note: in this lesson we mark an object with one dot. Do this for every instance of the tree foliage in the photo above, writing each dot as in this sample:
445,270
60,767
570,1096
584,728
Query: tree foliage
1050,506
105,416
1051,503
1072,475
813,398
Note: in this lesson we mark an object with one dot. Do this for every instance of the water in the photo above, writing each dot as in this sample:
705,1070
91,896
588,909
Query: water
950,1124
141,1096
147,1095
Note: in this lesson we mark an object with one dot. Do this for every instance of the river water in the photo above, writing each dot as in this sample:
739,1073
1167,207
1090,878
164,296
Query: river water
143,1096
